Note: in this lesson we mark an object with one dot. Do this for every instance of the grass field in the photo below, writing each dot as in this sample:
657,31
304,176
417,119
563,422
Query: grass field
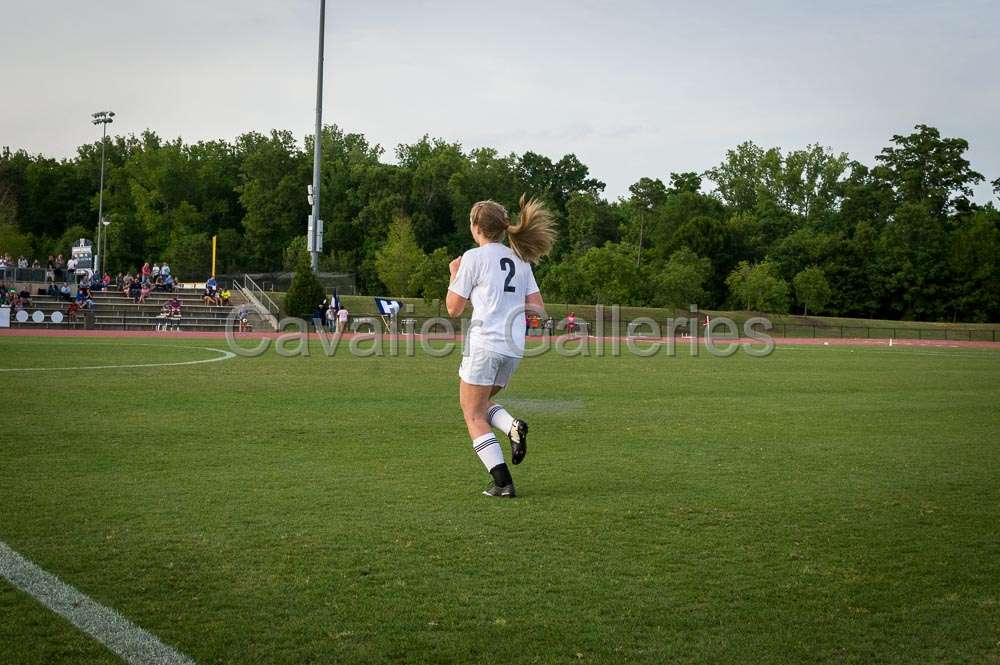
823,504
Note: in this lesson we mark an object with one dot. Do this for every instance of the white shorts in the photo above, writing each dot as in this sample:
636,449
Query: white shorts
487,368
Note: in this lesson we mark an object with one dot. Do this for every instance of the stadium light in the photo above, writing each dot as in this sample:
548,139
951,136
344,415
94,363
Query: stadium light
103,118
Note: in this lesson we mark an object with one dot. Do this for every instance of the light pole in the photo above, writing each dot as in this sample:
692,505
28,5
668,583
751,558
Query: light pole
104,252
315,239
102,118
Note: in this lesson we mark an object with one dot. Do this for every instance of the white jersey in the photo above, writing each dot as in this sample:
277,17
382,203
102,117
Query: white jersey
497,282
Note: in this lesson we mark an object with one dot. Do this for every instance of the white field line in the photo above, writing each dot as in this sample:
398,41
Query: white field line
226,355
127,640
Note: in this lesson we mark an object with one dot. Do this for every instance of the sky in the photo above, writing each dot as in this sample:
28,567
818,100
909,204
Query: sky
634,88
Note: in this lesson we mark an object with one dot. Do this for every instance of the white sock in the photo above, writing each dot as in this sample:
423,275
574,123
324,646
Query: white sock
499,418
488,449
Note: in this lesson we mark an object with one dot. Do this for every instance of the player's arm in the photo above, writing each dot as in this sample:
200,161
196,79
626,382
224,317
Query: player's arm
455,301
533,303
533,299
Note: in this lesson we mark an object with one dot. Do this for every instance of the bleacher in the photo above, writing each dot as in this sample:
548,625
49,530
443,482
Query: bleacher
115,311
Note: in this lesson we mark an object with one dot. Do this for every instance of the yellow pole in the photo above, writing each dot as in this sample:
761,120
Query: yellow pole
214,239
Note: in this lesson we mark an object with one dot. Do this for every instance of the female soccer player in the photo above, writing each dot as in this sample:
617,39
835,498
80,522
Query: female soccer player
499,281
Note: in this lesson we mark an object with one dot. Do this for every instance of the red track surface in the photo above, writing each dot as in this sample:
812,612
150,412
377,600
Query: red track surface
678,342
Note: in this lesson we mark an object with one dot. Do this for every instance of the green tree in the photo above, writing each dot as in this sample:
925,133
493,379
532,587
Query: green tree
431,278
399,258
190,255
605,275
296,250
13,242
272,190
681,280
928,170
913,259
811,289
975,266
759,286
305,293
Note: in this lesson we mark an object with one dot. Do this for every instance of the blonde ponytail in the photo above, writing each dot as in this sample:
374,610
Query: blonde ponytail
534,234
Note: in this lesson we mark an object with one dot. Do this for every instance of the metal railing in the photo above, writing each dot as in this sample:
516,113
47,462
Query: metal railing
267,308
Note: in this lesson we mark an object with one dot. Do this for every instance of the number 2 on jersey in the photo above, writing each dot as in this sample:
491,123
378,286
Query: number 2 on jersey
505,265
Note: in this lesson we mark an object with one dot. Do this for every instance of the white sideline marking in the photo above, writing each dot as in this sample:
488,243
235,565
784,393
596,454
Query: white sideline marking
127,640
226,355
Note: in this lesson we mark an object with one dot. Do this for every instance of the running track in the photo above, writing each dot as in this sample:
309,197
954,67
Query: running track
678,342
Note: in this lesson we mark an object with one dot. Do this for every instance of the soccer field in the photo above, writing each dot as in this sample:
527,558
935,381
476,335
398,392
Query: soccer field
824,504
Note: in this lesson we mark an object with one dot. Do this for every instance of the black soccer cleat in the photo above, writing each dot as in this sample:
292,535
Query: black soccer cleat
518,440
505,492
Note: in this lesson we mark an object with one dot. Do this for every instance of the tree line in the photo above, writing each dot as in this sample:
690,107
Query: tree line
808,230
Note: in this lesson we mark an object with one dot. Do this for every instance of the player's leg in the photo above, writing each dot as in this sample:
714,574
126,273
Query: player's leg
474,400
515,429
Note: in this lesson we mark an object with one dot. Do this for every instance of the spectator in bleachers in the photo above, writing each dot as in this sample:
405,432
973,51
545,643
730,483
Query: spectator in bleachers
120,282
164,317
146,270
22,262
225,295
156,271
134,289
165,270
71,265
168,282
144,292
25,297
52,290
175,311
65,293
71,311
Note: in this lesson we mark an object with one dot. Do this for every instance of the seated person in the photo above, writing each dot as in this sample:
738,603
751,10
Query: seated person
158,283
134,289
52,290
163,317
168,283
65,293
175,311
208,296
71,311
144,293
225,295
25,297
